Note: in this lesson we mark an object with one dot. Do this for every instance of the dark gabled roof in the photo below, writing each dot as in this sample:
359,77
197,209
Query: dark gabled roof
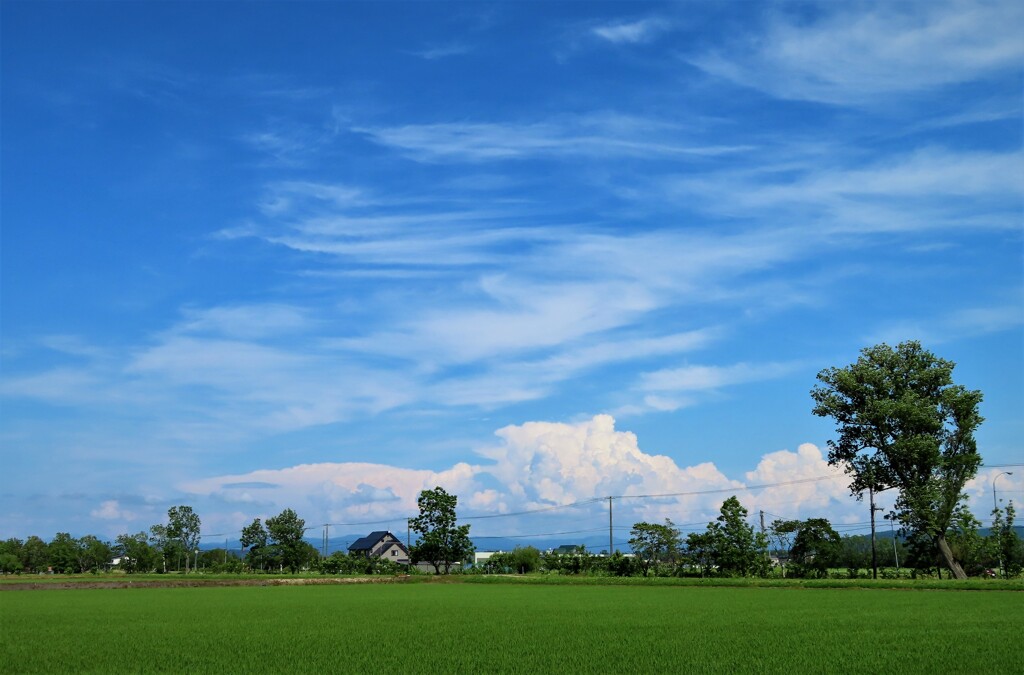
369,541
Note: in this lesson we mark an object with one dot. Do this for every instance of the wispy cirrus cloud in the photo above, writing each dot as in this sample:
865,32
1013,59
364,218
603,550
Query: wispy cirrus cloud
443,51
925,189
853,56
594,135
632,32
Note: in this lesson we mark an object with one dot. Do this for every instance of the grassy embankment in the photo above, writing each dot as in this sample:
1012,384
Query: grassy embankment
504,627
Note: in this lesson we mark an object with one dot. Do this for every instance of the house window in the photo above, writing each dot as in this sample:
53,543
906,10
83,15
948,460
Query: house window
394,553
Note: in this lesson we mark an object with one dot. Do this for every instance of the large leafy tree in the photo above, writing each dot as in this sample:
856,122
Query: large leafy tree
653,543
286,530
254,537
183,525
63,553
135,552
904,424
93,554
441,541
781,532
738,549
817,547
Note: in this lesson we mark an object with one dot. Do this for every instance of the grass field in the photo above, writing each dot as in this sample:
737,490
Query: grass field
458,627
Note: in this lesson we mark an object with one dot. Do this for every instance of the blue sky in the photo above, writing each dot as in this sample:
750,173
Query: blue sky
324,255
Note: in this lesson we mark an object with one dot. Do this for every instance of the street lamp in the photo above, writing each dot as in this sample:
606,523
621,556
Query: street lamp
995,504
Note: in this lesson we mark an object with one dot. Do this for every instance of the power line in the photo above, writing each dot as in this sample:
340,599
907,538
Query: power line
730,489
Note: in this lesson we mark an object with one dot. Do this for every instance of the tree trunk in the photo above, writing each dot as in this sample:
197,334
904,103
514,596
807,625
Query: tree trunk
947,555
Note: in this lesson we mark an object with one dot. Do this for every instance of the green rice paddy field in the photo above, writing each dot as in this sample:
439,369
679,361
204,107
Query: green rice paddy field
464,628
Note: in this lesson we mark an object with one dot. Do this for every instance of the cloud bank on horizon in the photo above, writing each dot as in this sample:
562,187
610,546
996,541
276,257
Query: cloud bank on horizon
318,271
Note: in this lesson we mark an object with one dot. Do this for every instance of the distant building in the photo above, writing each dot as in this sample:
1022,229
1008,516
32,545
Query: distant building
381,545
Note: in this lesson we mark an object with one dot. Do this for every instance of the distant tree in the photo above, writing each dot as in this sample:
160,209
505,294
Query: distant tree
653,543
93,554
902,423
855,553
525,559
10,556
969,548
161,540
1006,542
35,555
286,531
738,549
817,547
63,553
254,537
137,556
441,541
9,563
183,525
782,532
701,549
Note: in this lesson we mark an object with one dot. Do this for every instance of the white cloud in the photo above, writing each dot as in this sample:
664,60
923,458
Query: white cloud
852,56
596,135
244,321
443,51
537,465
700,378
927,189
111,510
632,32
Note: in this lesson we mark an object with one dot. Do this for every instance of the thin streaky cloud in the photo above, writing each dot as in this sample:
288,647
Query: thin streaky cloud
632,32
853,56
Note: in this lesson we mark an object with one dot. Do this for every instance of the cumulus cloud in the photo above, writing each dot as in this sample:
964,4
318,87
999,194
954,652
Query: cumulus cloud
111,510
562,470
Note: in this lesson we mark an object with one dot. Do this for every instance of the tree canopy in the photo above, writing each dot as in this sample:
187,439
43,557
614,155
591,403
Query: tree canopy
441,542
183,525
653,543
904,424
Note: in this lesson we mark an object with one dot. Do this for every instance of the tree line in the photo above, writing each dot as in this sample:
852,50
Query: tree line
902,424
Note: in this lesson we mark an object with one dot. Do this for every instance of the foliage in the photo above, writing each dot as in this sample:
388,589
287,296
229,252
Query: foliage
701,548
816,548
737,550
35,555
254,537
441,541
1007,544
781,532
903,423
972,550
183,525
135,552
653,544
286,530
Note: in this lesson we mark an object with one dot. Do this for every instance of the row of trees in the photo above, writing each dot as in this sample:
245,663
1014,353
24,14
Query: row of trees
171,545
902,424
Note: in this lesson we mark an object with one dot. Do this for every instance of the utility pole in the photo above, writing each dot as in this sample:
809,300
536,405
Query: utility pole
890,517
611,545
874,555
767,551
